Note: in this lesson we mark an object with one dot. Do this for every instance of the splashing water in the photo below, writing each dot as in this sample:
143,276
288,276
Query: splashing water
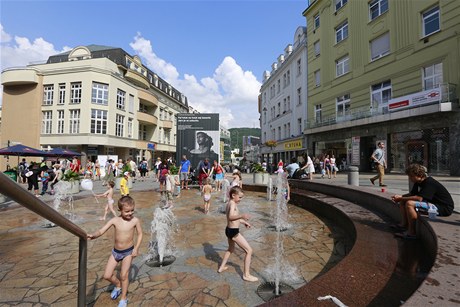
270,189
62,193
162,229
225,188
281,270
279,213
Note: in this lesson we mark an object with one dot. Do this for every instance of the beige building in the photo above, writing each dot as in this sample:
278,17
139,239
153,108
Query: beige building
96,100
385,70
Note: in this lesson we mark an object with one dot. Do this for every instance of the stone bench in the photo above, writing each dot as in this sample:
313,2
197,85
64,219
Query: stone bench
364,272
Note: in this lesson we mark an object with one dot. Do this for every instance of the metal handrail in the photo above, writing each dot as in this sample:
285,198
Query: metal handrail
18,194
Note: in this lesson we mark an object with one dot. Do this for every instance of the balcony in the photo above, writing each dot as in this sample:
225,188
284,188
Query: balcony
167,124
137,79
440,99
147,118
19,76
147,98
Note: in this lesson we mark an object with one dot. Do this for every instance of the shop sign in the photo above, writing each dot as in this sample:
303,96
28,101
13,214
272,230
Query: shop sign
151,146
355,150
413,100
293,145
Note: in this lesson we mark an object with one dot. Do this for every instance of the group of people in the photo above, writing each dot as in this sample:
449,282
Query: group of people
306,167
127,226
46,173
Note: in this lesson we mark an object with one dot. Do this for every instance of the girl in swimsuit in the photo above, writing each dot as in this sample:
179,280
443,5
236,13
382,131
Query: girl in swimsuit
206,192
110,201
234,218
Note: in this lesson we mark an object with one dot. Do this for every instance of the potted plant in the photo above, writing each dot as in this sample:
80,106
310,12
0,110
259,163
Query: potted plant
260,175
73,178
126,168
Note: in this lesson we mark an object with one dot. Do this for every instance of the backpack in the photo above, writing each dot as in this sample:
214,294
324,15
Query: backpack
163,173
143,165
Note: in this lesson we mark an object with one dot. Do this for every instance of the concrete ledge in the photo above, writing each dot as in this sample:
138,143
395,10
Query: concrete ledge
440,240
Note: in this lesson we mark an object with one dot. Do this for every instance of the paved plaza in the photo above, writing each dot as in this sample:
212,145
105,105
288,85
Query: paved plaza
39,264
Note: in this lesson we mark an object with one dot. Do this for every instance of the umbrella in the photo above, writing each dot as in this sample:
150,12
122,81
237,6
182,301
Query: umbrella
61,152
22,151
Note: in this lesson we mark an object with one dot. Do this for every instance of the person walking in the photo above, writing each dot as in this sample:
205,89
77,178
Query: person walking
378,156
184,172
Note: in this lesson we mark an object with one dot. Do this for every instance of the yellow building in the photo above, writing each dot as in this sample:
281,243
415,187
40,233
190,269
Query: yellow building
385,70
93,99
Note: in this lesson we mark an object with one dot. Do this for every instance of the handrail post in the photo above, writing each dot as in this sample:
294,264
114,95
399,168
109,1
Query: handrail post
82,263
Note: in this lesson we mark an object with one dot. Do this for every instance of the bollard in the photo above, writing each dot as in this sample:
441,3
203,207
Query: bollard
353,175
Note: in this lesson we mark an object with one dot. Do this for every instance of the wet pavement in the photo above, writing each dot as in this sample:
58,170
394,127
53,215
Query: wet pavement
39,265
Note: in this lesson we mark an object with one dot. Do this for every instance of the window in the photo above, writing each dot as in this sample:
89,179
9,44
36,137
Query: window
130,127
299,67
288,103
120,99
284,105
279,133
160,135
377,8
432,76
98,121
342,66
431,21
100,93
60,122
279,86
317,78
380,94
380,46
317,48
167,136
316,22
318,113
142,132
341,32
48,95
343,105
288,130
75,92
288,77
299,96
119,125
279,109
61,93
74,123
47,122
339,4
299,125
131,104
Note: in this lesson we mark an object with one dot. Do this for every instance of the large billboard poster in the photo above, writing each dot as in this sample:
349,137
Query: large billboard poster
198,137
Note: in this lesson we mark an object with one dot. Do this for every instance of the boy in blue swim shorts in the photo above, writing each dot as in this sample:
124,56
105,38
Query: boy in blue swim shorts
124,249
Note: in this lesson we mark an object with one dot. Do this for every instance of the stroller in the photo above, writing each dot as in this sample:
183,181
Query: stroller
192,178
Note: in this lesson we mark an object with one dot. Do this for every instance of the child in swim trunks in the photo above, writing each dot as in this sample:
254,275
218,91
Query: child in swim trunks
110,201
206,193
124,250
234,218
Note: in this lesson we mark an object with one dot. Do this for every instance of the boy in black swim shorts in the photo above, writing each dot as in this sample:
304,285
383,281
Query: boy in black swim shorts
232,231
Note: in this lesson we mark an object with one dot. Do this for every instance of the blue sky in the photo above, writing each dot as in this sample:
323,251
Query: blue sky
215,52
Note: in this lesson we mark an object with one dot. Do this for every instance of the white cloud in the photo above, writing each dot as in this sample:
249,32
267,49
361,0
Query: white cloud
20,51
231,91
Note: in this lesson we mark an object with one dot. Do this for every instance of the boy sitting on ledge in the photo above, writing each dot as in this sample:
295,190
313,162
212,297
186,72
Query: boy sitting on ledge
426,192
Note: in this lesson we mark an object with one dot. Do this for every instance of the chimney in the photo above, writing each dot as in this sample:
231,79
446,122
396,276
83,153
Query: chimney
274,66
281,59
266,75
288,50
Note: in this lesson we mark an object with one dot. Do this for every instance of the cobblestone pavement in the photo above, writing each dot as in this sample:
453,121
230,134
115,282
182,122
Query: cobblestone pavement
39,265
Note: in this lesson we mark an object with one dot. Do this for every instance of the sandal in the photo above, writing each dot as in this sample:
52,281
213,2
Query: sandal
398,228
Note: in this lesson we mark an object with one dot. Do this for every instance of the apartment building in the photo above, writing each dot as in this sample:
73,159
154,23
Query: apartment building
97,100
385,70
283,102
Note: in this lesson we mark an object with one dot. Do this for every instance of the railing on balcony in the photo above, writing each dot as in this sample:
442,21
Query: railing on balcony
448,94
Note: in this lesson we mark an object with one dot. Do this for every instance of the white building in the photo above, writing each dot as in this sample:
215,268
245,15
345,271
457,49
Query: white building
97,100
283,102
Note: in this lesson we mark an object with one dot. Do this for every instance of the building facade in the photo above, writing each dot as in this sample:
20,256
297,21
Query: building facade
225,148
385,70
93,99
283,102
